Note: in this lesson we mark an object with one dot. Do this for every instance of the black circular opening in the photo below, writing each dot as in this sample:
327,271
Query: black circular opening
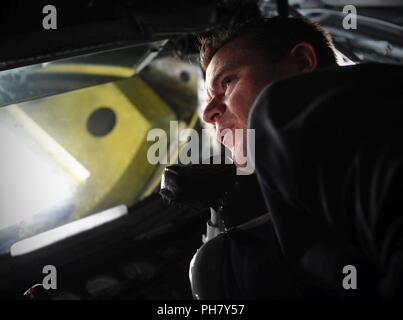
184,76
101,121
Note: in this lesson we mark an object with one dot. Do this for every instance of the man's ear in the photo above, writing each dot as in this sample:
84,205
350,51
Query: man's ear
304,56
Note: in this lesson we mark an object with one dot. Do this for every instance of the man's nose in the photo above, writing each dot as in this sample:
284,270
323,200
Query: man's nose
213,111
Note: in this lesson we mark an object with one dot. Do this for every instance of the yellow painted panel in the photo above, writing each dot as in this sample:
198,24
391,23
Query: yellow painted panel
117,163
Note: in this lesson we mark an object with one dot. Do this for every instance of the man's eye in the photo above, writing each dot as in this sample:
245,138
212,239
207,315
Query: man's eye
226,82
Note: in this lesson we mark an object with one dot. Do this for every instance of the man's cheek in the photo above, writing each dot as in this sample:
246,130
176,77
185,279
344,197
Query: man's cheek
242,106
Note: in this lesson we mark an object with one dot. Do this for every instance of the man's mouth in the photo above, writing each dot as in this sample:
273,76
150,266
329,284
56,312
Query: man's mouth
220,137
221,134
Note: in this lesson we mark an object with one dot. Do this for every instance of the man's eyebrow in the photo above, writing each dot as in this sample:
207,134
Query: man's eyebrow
222,70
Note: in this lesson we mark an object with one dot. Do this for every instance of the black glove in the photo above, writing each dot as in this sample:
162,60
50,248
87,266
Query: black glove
197,185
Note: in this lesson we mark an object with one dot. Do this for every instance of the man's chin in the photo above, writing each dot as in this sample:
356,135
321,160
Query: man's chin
241,161
238,155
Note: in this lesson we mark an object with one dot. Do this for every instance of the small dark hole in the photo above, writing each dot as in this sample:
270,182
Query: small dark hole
184,76
101,121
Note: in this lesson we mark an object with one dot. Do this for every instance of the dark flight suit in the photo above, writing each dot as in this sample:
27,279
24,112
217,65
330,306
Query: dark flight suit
329,160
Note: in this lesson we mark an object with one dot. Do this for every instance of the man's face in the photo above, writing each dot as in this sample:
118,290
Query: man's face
234,78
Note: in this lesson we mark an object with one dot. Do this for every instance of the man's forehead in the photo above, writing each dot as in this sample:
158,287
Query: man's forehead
234,53
231,53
